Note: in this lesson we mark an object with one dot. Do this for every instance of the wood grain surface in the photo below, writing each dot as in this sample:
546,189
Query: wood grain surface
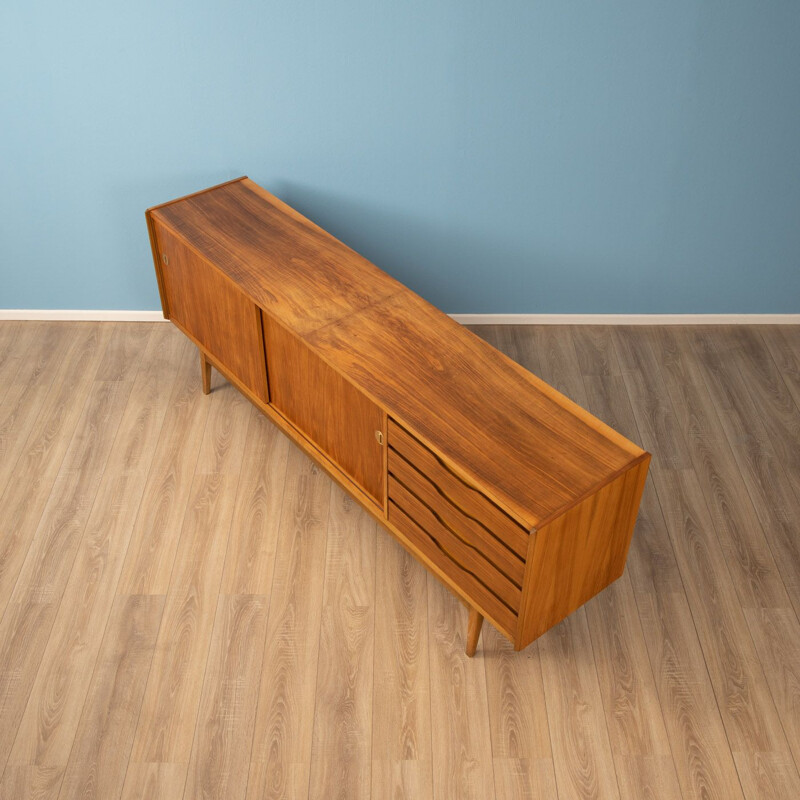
51,717
331,412
28,620
192,608
341,746
401,703
572,558
214,310
42,452
467,528
27,382
522,755
406,453
248,233
99,756
356,370
451,559
697,738
280,760
226,718
533,450
461,740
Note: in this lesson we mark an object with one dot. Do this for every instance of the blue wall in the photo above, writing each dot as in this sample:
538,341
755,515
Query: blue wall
518,156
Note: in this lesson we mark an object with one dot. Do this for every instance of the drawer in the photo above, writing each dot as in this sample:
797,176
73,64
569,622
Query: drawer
492,526
470,530
459,549
448,559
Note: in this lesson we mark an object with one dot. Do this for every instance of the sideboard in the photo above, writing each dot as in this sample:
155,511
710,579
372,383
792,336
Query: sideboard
520,501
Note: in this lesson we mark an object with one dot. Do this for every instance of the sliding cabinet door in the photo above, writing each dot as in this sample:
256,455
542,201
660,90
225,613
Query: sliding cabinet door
209,306
326,408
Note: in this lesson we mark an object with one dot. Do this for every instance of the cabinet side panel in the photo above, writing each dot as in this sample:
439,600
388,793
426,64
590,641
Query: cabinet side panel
162,292
579,553
329,410
209,306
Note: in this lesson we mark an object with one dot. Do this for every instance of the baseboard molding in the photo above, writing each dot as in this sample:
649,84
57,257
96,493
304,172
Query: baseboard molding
89,315
627,319
81,315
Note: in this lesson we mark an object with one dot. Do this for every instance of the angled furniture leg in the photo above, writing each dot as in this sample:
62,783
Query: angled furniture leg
205,369
473,631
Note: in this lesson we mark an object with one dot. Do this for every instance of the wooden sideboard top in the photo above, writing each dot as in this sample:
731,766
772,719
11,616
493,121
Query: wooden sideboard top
528,447
291,268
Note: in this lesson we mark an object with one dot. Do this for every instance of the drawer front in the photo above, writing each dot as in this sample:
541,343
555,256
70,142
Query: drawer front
458,549
471,531
449,522
467,582
491,522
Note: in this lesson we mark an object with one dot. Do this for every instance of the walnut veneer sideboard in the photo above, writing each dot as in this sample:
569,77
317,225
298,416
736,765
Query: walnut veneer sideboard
520,501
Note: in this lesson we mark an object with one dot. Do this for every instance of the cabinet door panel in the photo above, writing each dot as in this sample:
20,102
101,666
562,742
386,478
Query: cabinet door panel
210,307
331,412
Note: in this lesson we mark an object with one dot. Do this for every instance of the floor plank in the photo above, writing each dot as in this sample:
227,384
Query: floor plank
584,763
746,705
25,498
341,748
26,391
151,550
154,782
126,349
769,392
34,603
15,338
783,342
637,734
189,607
738,530
99,756
518,778
757,578
221,749
461,745
51,716
699,746
769,485
522,758
401,706
250,559
281,755
31,783
169,712
402,779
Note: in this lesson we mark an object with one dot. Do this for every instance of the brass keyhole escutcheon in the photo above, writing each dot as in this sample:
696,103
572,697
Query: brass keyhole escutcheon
379,436
165,258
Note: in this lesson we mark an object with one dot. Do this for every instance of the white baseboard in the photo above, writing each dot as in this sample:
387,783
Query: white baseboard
627,319
81,315
88,315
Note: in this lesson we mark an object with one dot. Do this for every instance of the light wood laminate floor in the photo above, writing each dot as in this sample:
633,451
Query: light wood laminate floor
191,608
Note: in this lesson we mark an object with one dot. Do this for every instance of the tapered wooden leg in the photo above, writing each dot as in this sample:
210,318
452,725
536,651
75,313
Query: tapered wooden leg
205,369
473,631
